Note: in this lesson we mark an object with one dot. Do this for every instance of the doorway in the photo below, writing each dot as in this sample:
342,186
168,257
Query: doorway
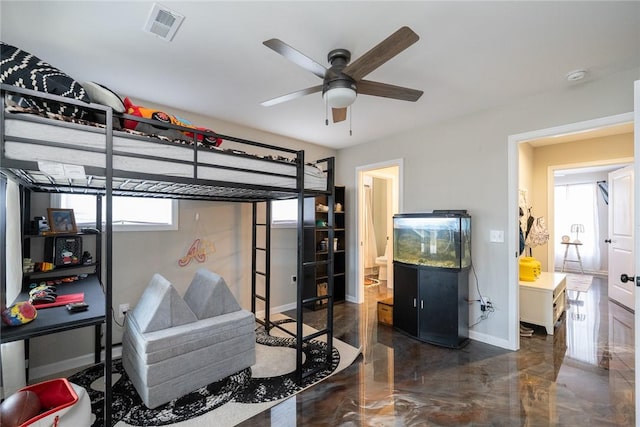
581,215
549,136
378,188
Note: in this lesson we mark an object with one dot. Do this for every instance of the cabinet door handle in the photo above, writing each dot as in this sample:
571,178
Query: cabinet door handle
421,304
414,303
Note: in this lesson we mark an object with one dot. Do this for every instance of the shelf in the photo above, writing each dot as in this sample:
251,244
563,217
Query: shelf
319,256
59,269
42,236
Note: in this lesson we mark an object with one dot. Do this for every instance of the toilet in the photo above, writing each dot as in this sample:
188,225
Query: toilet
381,262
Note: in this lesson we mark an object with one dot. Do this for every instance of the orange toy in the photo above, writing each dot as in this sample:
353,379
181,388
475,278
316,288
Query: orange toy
149,113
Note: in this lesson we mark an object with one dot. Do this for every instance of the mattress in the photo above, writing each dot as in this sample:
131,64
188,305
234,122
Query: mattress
48,141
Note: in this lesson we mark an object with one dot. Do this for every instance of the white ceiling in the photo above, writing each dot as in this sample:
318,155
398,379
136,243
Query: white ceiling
471,55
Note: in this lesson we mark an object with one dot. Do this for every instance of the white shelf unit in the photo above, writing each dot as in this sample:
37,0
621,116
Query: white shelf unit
542,302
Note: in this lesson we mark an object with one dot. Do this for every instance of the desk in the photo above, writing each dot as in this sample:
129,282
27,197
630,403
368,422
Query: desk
58,319
542,302
566,252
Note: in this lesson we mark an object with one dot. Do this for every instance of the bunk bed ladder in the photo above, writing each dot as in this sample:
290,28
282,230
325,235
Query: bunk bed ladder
261,250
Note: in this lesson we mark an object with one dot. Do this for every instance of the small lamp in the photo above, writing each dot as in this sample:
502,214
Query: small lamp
577,228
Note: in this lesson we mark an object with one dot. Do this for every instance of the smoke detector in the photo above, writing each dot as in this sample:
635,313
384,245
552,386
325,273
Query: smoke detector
163,22
576,75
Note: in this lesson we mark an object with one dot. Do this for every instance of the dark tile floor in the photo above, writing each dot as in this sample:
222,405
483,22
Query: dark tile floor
581,376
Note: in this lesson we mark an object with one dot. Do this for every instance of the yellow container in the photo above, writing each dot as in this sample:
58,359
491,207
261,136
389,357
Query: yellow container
529,269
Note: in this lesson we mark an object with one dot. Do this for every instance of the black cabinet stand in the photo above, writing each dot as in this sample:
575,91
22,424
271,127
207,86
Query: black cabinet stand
431,304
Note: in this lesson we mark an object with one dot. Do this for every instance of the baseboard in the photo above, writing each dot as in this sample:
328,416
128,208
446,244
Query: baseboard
599,273
278,309
57,368
488,339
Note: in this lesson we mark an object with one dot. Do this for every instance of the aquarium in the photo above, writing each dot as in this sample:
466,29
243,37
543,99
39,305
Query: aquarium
439,239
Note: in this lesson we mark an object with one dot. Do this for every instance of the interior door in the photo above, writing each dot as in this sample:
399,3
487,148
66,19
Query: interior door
621,243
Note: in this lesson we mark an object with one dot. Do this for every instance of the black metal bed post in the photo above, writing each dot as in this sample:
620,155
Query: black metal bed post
254,247
300,263
267,265
331,256
98,269
99,235
25,214
109,270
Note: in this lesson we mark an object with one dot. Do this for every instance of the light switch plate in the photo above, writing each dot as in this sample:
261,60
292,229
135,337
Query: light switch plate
496,236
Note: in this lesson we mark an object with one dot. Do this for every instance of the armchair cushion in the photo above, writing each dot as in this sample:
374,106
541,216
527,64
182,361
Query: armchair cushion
209,296
161,307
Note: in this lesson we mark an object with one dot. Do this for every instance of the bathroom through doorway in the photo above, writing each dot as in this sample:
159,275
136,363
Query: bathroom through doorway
378,200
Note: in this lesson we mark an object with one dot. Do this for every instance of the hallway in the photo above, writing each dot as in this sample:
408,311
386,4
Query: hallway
577,377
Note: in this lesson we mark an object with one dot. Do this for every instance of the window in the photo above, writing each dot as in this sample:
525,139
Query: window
577,204
284,213
128,213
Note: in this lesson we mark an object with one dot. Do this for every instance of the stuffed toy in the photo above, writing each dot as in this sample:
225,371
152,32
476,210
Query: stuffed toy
149,113
19,313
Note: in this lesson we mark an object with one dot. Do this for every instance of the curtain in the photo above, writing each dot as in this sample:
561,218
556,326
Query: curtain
13,375
370,246
577,204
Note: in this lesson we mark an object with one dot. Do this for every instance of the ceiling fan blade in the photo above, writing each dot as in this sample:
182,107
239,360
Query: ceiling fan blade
339,114
367,87
292,95
296,57
381,53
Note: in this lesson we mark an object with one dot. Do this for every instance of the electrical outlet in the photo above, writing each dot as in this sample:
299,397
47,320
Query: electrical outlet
294,280
122,309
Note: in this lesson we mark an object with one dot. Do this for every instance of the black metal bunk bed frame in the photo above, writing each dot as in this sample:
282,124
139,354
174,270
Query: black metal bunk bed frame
103,183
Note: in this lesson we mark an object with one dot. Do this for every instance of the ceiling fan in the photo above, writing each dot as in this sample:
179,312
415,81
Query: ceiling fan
342,81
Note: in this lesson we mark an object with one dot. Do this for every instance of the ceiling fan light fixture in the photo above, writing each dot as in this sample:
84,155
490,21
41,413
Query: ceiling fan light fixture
340,97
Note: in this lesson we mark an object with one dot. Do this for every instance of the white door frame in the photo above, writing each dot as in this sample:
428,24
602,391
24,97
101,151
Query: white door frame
513,236
359,220
636,212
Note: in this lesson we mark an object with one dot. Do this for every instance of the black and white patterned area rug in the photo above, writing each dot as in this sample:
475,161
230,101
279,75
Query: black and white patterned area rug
269,381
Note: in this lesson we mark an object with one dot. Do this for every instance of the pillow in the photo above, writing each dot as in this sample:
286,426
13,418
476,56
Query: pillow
100,94
22,69
162,117
209,296
161,307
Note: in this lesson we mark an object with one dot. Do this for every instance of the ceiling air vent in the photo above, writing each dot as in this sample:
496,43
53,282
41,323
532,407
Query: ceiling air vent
163,22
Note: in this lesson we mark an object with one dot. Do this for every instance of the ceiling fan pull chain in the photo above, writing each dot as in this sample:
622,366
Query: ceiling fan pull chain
326,112
350,119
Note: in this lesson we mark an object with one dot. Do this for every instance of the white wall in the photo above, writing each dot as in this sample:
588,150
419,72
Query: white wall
462,164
